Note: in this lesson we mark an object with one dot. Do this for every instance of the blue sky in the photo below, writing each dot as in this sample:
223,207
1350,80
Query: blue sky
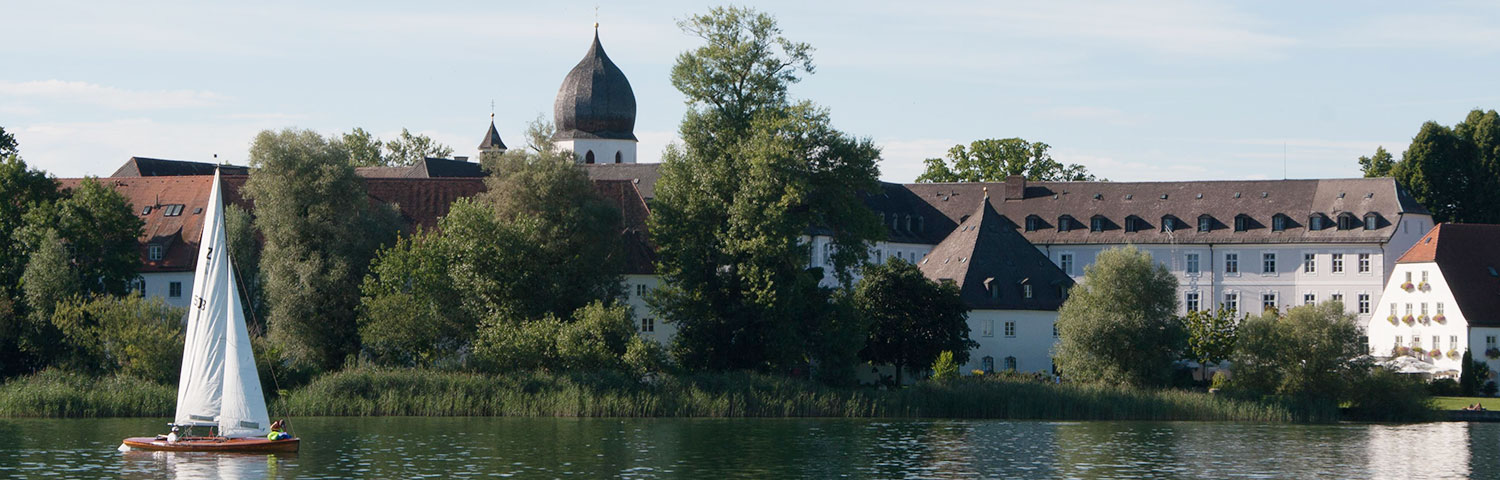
1149,90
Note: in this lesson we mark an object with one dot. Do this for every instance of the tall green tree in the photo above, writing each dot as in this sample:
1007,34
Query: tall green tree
991,160
22,189
1378,165
1119,326
320,233
364,149
125,334
911,319
1311,351
408,149
1455,172
735,199
1211,335
99,228
244,252
8,144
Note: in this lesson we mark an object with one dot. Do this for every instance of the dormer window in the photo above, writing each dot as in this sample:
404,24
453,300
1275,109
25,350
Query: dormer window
1372,221
1134,224
1278,222
1096,224
1347,221
1064,223
921,225
908,223
1170,223
153,252
1315,222
1241,222
1033,223
1205,223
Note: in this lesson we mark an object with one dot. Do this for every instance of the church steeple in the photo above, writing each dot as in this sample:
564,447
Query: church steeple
492,142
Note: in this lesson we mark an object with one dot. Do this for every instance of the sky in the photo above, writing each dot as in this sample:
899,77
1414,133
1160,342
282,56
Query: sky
1135,91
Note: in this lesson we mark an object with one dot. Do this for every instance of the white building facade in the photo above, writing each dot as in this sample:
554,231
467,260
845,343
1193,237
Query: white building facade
1442,299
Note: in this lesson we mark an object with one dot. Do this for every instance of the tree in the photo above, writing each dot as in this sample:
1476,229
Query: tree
410,149
1119,326
244,252
1468,382
911,319
753,173
123,334
363,147
1211,335
1455,172
99,230
7,143
411,314
1310,352
22,189
1378,165
991,160
320,233
49,279
597,337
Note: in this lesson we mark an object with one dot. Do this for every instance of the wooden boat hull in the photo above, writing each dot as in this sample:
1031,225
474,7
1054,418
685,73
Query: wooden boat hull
214,444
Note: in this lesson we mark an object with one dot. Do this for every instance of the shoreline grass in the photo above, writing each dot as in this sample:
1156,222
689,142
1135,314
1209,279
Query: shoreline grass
59,394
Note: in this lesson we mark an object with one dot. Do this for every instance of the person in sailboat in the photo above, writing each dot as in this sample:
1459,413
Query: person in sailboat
278,431
172,437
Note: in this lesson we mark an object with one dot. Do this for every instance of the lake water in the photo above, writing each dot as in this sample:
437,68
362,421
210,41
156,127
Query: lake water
406,447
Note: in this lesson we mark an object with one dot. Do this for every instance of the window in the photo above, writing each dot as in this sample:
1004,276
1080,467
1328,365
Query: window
1424,309
1408,309
1439,308
1241,222
153,252
146,211
1064,223
1232,301
1065,262
1010,329
1191,300
1337,297
1338,263
648,324
1268,262
1435,344
1192,263
1453,342
1364,263
174,289
988,364
1416,341
1364,303
172,210
588,157
640,290
877,257
1134,224
1489,342
1347,221
1424,276
1026,290
1372,221
1096,224
1268,301
1408,277
1169,223
1010,363
989,327
1278,223
138,286
1205,223
1309,263
1309,299
1398,340
1033,223
1231,263
619,158
1315,222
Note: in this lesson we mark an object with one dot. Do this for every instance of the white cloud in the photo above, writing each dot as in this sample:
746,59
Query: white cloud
75,149
109,97
1472,33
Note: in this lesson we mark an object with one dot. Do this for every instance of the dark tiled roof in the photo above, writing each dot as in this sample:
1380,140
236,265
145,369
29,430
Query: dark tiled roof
985,254
492,138
643,175
427,168
1469,257
1115,202
640,252
156,167
595,100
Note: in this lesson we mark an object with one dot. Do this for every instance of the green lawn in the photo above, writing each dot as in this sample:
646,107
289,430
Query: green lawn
1458,403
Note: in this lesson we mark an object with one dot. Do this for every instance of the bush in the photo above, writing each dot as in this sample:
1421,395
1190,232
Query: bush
1443,387
944,368
1384,395
598,338
1489,389
127,334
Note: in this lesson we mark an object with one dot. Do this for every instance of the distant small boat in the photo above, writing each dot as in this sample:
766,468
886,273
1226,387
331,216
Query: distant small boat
219,388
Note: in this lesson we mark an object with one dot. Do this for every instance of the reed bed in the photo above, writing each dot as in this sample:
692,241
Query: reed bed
369,392
59,394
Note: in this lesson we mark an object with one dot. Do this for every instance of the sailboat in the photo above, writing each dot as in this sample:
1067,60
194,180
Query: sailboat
219,388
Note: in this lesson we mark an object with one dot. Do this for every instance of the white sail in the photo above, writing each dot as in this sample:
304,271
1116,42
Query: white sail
243,411
219,384
200,386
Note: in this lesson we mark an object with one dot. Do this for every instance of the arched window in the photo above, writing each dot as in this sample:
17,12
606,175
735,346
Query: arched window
1205,222
1372,221
588,157
1064,223
1347,221
1010,363
921,225
988,363
619,157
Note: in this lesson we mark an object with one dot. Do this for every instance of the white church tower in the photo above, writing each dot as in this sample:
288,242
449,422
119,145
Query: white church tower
595,110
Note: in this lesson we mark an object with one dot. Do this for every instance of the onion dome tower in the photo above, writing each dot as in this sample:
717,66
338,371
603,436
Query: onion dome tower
595,110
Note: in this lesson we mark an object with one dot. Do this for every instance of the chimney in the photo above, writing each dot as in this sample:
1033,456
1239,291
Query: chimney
1015,188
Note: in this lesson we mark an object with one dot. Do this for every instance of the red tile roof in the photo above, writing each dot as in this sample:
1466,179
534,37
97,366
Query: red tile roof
1469,257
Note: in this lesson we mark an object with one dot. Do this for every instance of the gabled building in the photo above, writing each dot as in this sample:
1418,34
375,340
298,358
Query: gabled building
1012,289
1443,298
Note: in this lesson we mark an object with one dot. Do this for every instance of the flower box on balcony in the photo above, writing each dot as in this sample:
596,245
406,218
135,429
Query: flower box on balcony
1453,354
1408,286
1408,319
1393,319
1424,286
1440,319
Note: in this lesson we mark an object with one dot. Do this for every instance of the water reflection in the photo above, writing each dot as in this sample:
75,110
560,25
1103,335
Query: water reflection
774,448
